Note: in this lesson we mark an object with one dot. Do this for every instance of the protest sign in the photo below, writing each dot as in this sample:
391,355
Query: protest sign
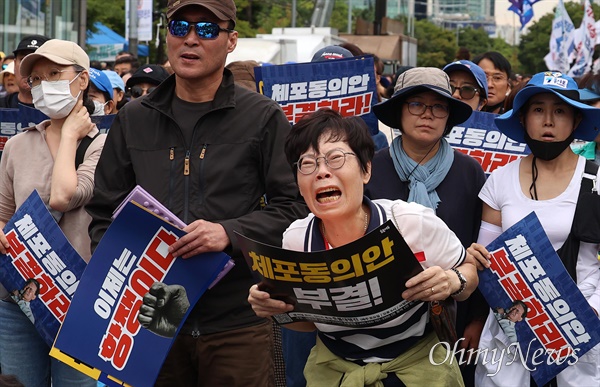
344,85
356,285
39,250
13,121
479,138
102,335
559,326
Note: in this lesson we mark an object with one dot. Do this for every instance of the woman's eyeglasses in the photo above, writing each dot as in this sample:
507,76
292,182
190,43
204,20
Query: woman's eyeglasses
334,159
496,78
138,91
465,92
204,30
417,108
53,76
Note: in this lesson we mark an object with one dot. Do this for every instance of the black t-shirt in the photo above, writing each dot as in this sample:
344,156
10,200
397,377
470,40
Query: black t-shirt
187,114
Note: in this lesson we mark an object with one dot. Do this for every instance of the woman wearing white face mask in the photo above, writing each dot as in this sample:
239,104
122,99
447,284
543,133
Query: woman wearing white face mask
100,93
44,158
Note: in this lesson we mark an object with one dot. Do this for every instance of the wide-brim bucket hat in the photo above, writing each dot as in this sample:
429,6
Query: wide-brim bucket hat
417,80
565,88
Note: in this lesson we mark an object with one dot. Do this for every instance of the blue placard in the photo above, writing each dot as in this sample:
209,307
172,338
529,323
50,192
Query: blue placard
13,121
345,85
101,335
560,325
480,138
39,250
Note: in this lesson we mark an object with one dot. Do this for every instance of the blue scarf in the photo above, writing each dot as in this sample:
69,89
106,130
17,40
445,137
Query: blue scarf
423,179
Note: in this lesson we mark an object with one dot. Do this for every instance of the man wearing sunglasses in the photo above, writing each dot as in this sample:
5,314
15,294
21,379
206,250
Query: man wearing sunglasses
212,152
468,83
145,80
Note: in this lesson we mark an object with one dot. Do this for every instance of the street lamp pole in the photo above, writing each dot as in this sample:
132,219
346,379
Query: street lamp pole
349,16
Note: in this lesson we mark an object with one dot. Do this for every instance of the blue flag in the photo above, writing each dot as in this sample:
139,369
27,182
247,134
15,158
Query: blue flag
524,9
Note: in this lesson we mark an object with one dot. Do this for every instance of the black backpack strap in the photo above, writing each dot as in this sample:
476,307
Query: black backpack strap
82,148
588,181
569,251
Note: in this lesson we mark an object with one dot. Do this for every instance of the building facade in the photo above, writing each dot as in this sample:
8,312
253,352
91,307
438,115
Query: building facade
58,19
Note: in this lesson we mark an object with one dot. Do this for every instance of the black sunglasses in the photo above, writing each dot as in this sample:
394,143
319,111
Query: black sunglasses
204,30
137,91
466,92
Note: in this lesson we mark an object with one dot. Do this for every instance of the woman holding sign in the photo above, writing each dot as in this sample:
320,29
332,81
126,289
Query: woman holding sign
44,158
331,157
422,167
551,181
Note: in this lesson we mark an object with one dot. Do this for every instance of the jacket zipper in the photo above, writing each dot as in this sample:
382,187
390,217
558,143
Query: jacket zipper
201,172
186,180
171,179
186,185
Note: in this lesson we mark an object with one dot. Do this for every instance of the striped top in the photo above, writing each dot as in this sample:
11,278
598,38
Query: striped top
427,236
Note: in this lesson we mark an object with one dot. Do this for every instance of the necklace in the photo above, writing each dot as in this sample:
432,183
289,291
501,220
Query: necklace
325,237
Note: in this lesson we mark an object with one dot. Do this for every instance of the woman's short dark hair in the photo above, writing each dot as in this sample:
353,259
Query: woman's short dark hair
87,101
306,133
499,61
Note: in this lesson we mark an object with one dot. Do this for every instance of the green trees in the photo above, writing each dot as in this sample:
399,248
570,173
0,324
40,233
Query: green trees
435,45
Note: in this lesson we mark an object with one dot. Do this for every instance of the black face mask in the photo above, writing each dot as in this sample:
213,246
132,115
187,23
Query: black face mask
545,150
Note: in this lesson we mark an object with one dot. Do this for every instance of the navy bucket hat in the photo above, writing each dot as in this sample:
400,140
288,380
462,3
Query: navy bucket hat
565,88
418,80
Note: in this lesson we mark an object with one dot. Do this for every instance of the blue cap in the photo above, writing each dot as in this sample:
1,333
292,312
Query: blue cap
467,65
565,88
100,80
115,80
331,52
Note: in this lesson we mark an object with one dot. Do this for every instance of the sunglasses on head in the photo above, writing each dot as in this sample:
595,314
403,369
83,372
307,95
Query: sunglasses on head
204,30
4,66
137,91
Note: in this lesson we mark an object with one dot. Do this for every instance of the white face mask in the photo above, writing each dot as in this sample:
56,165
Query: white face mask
99,108
54,99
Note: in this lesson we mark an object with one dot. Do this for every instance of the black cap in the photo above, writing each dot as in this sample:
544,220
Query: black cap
31,43
151,73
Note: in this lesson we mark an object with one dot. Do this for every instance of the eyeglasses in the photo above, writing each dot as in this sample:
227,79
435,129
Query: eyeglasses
53,76
496,78
204,30
465,92
417,108
138,91
334,159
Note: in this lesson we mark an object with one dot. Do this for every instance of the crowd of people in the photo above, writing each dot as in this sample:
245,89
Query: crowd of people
197,136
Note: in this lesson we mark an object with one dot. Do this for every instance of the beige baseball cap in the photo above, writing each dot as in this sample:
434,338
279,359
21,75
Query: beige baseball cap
58,51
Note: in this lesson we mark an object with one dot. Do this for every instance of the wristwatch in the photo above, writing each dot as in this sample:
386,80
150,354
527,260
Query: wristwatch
463,282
